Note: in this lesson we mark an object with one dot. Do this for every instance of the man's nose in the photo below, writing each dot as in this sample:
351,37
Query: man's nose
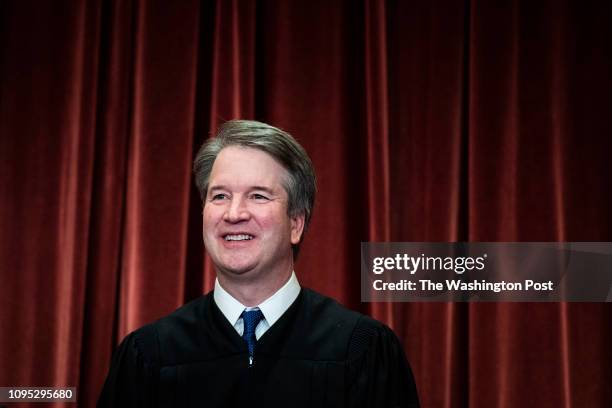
237,210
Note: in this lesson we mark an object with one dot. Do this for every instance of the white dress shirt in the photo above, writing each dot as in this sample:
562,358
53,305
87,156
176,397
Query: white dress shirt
272,308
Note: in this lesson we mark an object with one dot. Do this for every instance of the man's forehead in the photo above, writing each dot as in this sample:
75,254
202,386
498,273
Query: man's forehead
247,168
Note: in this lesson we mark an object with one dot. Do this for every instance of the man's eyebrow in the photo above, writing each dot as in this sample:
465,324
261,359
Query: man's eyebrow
214,188
262,188
252,188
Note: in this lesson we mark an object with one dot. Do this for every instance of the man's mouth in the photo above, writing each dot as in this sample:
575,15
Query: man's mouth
238,237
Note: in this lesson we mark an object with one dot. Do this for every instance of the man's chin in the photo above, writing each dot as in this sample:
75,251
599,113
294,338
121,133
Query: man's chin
237,269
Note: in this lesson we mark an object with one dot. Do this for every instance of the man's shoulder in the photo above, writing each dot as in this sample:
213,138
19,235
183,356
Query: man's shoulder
374,364
178,331
342,331
183,318
335,312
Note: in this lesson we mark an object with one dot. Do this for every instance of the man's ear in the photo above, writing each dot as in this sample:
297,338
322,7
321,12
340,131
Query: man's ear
297,228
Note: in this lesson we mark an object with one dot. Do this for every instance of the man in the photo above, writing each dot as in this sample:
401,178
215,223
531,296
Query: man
258,339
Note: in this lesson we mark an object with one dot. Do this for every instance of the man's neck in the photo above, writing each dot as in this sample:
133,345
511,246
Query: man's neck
253,292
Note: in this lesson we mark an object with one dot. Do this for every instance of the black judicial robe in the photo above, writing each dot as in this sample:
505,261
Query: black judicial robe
318,354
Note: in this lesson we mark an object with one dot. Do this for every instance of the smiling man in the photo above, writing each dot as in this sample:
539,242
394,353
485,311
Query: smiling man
247,231
258,339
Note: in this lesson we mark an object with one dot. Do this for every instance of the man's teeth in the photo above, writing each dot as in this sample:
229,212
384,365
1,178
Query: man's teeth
240,237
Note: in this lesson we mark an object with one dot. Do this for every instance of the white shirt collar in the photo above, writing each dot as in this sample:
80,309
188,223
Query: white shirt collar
272,308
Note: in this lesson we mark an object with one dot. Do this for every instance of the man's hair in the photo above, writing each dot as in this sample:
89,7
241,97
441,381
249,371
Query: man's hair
301,183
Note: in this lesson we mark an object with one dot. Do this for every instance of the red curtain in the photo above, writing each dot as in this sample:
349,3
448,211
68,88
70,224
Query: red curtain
426,121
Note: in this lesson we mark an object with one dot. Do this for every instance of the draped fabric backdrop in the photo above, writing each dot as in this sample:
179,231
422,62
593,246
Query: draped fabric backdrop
426,121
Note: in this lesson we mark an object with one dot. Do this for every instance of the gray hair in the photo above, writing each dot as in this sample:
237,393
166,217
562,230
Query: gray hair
301,183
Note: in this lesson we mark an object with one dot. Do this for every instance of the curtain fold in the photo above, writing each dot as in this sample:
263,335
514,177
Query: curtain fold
437,121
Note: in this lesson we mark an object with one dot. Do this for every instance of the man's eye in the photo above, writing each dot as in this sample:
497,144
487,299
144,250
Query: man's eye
218,197
259,197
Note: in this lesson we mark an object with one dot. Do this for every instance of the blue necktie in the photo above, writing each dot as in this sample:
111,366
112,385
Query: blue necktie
251,319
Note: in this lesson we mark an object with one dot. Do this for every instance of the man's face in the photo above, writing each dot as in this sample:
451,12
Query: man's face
247,231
